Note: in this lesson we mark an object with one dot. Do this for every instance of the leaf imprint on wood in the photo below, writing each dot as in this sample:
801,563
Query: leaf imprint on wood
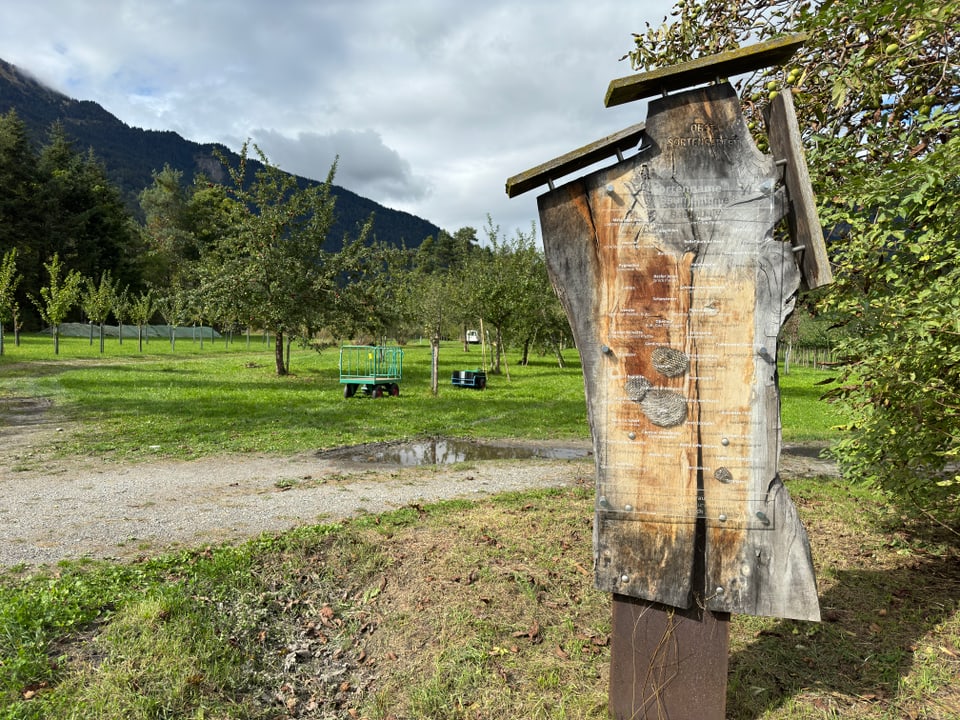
637,387
670,362
664,408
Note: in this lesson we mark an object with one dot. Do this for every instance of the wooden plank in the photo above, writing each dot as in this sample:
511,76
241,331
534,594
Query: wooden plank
783,131
609,146
703,70
666,662
676,290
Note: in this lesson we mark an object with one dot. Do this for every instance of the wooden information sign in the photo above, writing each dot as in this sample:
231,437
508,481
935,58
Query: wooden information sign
676,290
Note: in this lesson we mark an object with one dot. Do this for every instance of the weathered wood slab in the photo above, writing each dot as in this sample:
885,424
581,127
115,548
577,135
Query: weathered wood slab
703,70
806,234
676,291
614,144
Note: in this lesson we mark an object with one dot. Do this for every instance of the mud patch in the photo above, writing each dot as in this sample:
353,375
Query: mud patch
450,451
19,411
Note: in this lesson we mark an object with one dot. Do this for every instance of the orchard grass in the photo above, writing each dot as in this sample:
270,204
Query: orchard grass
195,402
191,401
460,609
804,415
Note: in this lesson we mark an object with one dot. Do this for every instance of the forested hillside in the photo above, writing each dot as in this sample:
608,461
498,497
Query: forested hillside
131,155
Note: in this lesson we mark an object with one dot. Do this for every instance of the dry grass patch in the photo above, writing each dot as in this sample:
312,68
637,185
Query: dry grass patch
491,612
479,610
488,610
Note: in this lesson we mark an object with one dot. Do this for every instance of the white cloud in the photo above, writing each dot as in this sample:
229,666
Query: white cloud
364,163
430,105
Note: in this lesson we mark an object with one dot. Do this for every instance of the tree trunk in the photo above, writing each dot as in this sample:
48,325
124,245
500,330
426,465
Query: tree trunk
101,338
483,347
506,366
278,353
434,364
525,356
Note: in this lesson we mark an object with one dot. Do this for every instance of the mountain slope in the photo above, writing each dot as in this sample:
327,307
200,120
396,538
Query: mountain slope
131,155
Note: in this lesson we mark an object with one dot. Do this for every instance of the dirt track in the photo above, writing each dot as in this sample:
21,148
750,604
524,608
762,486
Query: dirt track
52,509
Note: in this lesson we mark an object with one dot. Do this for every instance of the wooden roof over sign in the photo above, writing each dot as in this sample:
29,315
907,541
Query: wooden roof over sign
703,70
574,160
637,87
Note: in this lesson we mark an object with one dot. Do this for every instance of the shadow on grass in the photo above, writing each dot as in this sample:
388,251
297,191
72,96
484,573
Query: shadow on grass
874,621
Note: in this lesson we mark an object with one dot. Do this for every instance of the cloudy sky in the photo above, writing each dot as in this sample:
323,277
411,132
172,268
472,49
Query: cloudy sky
430,104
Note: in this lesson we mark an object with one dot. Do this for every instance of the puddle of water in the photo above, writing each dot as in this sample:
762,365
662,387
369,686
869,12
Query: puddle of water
447,451
812,450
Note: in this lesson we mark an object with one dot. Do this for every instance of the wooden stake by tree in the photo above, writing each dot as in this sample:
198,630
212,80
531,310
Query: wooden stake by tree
141,310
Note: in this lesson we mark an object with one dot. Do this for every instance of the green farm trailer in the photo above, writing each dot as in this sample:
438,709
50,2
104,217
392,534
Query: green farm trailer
373,369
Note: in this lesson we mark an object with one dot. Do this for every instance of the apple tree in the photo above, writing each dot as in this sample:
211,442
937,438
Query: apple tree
58,297
9,280
271,266
877,91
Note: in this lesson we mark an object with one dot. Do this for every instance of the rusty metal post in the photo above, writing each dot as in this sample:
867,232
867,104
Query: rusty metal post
667,663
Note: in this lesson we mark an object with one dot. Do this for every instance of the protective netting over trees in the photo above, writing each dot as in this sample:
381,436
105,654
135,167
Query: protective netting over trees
189,332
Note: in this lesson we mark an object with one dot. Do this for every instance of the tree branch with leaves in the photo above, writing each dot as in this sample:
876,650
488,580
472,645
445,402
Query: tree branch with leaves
272,266
9,280
877,92
58,297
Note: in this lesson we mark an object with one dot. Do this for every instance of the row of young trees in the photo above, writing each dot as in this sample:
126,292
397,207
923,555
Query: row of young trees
255,253
270,268
877,91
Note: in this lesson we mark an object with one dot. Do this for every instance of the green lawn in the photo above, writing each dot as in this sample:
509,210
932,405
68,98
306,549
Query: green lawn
458,610
199,401
805,417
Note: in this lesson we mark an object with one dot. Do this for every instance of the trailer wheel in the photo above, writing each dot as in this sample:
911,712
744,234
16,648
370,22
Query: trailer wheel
349,390
394,389
482,384
377,392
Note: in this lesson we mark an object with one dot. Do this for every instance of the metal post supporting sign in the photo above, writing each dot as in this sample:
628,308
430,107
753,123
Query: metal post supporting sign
676,289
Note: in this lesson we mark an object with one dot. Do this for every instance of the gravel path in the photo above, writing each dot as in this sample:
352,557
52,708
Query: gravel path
56,509
52,510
